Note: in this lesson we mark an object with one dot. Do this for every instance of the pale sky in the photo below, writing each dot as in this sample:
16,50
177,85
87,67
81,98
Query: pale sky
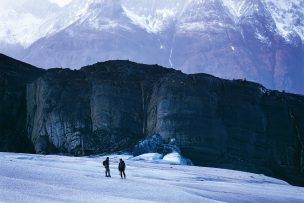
61,2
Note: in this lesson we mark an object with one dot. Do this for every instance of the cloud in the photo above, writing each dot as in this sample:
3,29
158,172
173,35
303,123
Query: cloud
61,3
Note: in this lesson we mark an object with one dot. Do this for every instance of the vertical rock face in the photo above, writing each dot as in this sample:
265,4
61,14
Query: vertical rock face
14,76
111,106
116,108
97,109
285,132
186,107
234,124
58,107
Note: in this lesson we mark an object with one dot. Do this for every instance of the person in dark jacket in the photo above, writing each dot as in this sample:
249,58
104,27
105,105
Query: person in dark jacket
121,168
106,164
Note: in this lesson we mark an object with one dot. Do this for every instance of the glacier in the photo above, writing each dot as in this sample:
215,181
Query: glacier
57,178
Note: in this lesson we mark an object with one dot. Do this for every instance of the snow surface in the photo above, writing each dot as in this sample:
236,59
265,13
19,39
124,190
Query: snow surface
288,16
148,157
171,158
25,21
152,24
61,3
236,8
175,158
54,178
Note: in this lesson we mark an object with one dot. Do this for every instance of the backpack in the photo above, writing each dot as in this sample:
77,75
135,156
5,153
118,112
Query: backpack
104,163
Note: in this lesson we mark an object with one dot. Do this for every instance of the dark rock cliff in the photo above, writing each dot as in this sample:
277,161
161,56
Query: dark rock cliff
14,75
110,106
234,124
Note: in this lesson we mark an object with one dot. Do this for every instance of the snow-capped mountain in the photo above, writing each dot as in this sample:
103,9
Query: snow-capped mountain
260,40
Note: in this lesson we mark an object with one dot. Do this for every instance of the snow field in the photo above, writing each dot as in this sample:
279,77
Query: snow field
54,178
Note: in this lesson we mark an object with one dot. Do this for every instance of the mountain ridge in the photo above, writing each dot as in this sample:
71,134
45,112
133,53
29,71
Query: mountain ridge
257,40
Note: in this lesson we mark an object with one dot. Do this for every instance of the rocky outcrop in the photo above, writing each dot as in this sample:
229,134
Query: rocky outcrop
97,109
234,124
14,75
58,111
113,105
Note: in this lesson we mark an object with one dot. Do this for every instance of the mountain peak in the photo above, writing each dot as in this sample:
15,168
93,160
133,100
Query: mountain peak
261,40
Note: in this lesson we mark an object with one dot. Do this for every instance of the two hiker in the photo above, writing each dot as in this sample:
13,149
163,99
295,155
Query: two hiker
121,167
